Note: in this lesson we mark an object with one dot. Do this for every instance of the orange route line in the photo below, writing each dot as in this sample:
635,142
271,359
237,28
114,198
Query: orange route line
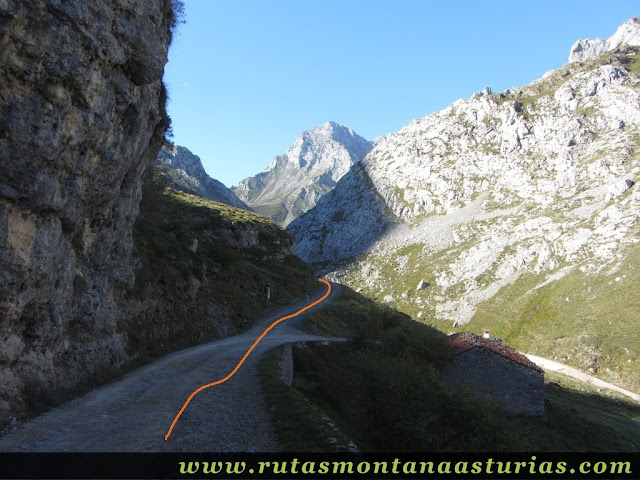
237,367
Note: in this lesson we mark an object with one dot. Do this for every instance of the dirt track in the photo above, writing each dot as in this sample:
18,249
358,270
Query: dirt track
134,413
553,366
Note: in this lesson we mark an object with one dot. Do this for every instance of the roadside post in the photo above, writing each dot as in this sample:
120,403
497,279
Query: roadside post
268,291
306,312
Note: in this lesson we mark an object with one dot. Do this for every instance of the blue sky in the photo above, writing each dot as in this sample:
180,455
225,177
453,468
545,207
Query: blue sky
246,77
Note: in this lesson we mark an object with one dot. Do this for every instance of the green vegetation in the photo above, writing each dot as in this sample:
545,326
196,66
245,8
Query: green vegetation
525,100
619,404
397,282
220,210
399,193
360,319
388,400
588,110
337,216
229,255
582,418
383,388
489,148
300,424
630,60
277,213
491,122
176,15
384,392
421,217
422,264
168,316
582,320
529,97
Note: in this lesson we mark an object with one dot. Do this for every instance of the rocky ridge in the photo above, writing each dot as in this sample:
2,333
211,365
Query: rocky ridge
311,167
627,34
182,170
536,184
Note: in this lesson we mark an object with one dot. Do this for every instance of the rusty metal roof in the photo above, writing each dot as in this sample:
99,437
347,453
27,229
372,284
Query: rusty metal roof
463,341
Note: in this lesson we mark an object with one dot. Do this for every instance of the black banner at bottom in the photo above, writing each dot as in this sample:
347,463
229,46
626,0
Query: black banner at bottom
320,465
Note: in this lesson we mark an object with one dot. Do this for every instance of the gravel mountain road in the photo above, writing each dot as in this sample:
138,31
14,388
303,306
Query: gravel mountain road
553,366
134,413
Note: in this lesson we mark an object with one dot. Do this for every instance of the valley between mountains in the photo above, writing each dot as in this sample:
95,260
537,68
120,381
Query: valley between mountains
129,277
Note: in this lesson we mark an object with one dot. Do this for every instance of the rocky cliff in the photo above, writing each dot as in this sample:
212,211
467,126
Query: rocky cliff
294,182
516,211
81,115
182,170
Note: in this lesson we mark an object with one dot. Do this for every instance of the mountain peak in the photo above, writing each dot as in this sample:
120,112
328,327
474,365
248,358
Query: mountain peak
332,125
330,129
627,34
311,167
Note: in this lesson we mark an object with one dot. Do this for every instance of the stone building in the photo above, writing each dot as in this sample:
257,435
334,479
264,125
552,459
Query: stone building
495,372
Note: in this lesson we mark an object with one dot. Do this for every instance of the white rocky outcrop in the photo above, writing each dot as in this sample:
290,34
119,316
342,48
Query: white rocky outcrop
627,34
294,182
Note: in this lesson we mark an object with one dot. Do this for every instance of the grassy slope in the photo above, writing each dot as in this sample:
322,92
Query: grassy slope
357,384
383,392
232,278
302,426
586,321
584,418
592,331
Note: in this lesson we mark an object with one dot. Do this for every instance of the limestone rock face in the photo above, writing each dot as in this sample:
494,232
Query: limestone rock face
627,34
519,209
349,220
587,48
470,198
183,170
295,181
81,115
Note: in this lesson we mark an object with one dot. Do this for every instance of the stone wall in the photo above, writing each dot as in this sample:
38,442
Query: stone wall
81,116
286,365
518,389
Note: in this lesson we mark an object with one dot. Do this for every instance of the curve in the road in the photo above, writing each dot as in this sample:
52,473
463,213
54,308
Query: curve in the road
237,367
